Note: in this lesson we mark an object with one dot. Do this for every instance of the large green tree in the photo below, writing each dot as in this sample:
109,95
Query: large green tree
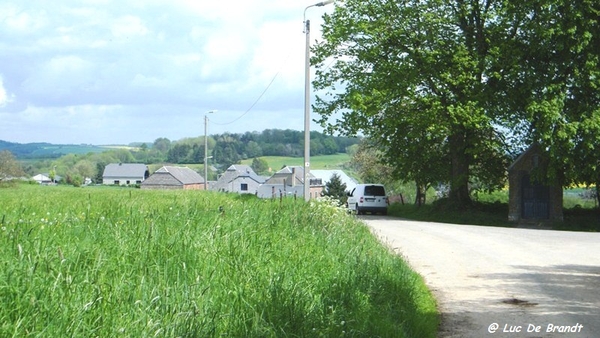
448,88
420,78
437,83
560,68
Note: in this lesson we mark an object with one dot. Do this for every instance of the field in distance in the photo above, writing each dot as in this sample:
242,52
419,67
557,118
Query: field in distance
329,162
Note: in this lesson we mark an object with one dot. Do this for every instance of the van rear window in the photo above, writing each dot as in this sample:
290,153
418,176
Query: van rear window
374,190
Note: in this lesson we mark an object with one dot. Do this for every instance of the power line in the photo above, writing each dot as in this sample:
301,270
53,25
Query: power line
259,97
262,94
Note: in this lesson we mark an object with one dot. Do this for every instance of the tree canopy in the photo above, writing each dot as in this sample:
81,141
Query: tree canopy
9,167
445,87
335,188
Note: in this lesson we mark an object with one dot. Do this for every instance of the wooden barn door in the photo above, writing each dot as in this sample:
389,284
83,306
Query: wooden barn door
536,199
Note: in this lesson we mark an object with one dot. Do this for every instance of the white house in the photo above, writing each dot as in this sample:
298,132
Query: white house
238,178
125,173
289,181
45,178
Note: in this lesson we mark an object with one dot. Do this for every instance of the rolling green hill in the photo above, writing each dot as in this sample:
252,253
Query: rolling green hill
47,150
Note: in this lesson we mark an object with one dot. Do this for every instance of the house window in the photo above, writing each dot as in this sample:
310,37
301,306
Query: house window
128,182
138,182
117,182
244,187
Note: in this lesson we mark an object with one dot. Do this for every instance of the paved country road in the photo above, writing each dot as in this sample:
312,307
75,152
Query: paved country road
512,282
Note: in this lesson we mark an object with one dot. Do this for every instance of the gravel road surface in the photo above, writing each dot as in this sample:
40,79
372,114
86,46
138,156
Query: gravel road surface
503,282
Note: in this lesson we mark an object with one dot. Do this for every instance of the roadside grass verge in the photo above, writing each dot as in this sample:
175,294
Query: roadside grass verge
137,263
480,213
492,210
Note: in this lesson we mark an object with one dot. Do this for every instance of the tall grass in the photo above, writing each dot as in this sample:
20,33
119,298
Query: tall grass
135,263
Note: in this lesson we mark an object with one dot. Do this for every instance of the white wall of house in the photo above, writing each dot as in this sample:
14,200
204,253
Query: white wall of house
243,185
275,190
122,180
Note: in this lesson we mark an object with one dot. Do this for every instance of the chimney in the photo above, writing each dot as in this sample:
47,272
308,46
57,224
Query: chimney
293,177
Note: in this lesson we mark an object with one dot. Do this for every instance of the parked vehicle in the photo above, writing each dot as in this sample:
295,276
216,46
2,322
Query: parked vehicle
368,198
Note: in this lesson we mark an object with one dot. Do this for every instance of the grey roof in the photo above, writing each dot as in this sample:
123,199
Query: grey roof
286,172
234,172
168,175
122,170
46,177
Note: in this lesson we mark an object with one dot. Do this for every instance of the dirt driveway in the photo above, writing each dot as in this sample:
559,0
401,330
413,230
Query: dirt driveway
502,282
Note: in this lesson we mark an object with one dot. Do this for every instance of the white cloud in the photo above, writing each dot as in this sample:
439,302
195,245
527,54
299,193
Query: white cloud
5,98
86,60
128,26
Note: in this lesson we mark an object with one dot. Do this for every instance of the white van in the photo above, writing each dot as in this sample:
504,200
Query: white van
368,198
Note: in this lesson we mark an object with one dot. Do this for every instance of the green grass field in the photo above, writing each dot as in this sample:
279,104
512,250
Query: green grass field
80,262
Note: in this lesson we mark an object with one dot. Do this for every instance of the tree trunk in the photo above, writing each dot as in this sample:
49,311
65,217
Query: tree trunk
420,198
459,184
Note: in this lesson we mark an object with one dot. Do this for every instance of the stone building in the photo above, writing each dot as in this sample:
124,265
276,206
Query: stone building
532,199
169,177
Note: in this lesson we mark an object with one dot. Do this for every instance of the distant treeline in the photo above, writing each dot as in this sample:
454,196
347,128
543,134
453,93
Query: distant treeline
223,149
230,148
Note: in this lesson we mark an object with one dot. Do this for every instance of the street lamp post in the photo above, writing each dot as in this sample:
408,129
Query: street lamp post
307,101
206,148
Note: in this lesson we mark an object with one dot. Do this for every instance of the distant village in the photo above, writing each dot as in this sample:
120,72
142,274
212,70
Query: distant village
238,178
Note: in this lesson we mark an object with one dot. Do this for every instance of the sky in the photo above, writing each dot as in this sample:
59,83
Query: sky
116,72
